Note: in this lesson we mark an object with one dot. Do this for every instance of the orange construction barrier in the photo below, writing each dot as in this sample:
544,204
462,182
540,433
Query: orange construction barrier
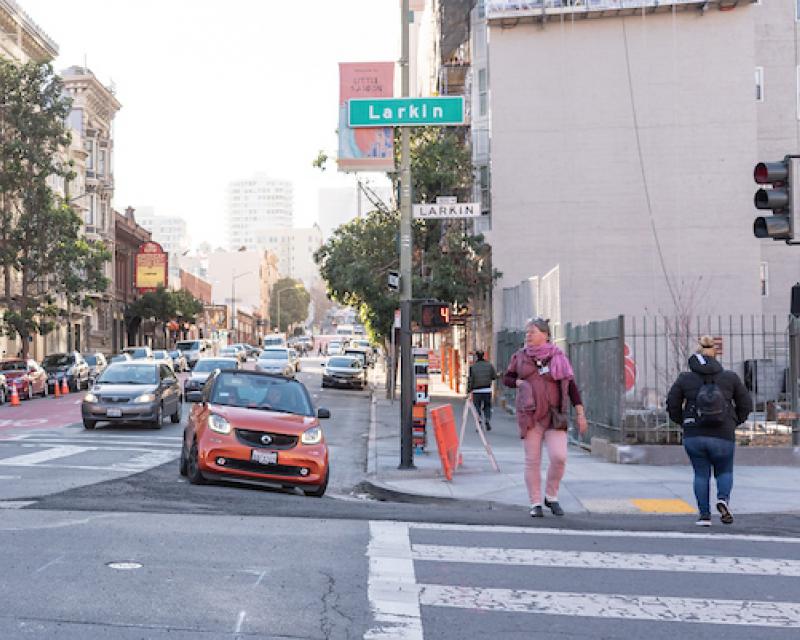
56,390
14,396
64,386
444,429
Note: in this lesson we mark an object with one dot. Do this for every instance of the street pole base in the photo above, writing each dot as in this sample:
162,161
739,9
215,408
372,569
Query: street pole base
405,467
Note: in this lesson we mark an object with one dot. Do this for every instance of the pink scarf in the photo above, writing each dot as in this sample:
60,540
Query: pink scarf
560,368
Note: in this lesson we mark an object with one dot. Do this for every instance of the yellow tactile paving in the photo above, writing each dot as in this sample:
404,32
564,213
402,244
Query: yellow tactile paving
655,505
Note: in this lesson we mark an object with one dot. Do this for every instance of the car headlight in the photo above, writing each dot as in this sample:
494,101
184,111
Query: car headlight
90,397
312,436
145,397
218,424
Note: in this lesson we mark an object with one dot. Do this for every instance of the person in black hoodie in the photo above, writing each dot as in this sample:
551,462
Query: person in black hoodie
709,402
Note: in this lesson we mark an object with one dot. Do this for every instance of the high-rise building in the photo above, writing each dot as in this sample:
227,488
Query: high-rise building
338,205
294,249
256,203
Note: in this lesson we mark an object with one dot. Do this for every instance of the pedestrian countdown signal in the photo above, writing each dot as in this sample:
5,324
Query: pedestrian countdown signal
435,315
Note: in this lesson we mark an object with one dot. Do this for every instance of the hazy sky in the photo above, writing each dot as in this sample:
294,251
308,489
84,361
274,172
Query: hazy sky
215,91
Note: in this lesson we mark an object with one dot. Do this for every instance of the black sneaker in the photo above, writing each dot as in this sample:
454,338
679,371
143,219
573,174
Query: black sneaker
536,511
554,507
488,427
725,514
704,520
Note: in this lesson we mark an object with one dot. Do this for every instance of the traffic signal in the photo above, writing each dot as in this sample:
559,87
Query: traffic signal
784,178
435,315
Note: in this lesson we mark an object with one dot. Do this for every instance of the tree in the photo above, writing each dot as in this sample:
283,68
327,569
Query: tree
39,234
163,305
293,302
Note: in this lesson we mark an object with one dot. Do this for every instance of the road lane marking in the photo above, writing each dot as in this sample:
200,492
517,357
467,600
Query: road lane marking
147,461
392,586
30,459
617,606
47,565
608,560
240,621
602,533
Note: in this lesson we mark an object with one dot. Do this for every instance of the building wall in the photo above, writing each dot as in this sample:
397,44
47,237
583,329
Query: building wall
567,181
294,249
255,273
255,203
199,288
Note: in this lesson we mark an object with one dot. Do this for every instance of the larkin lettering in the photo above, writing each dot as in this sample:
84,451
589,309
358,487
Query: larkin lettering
404,114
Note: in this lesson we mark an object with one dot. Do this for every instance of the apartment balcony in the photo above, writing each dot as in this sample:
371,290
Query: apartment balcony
510,12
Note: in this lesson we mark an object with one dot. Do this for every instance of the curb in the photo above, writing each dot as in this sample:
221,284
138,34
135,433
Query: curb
385,493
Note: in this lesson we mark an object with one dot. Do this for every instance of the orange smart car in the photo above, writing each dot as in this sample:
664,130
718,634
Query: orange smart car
255,427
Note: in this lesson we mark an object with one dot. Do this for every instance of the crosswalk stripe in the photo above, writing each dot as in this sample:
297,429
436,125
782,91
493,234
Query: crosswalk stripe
30,459
147,461
594,533
608,560
102,444
617,606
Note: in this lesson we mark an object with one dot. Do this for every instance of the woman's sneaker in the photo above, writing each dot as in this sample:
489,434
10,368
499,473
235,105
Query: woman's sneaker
704,520
554,507
725,514
536,511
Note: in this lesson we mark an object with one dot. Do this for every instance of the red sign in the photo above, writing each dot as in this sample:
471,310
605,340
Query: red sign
152,267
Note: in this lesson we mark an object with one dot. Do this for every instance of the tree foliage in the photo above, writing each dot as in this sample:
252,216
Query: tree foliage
449,263
40,235
294,301
163,305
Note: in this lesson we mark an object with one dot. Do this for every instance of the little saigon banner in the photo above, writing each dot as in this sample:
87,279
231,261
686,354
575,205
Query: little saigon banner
408,112
152,264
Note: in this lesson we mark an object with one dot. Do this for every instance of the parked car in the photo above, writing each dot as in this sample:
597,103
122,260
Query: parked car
178,360
141,391
344,371
162,356
3,389
234,351
139,353
205,368
120,357
365,346
71,366
27,377
249,350
194,350
275,360
360,354
97,364
255,427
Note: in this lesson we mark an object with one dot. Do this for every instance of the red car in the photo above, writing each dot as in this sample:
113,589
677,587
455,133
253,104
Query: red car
257,428
28,377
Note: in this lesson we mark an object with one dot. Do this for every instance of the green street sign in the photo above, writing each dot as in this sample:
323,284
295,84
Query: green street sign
405,112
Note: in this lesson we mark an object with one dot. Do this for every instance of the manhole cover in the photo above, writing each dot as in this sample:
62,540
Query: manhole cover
124,566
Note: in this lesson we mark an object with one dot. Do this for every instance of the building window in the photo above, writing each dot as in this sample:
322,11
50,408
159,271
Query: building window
760,83
764,278
485,189
88,145
101,163
90,211
482,97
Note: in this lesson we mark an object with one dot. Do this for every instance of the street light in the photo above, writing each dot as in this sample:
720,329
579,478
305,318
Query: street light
234,278
278,293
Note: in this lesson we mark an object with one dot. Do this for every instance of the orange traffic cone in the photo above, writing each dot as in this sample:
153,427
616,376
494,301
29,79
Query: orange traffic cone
56,390
14,396
64,387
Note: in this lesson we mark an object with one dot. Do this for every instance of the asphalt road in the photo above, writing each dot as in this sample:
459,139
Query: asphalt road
228,561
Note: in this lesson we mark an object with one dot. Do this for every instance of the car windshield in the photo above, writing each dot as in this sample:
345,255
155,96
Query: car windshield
189,345
138,353
174,354
160,355
209,364
120,358
13,366
344,363
261,392
58,360
91,360
129,374
362,357
274,354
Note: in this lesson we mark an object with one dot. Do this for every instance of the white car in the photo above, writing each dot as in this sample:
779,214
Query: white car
161,356
335,348
233,351
276,360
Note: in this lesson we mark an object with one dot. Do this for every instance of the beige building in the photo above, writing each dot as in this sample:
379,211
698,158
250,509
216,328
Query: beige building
91,122
256,203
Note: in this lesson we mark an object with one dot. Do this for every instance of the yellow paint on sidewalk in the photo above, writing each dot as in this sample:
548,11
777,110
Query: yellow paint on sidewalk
655,505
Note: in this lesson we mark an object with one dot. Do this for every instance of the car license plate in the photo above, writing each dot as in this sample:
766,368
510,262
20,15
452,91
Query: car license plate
114,413
265,457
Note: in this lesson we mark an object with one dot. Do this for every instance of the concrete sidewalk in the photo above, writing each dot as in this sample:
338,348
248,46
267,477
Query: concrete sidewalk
590,485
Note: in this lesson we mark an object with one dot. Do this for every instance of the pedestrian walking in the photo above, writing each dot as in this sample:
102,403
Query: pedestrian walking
709,402
479,383
545,383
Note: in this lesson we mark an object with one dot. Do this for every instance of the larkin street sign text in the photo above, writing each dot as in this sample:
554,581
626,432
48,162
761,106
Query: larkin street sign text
462,210
410,112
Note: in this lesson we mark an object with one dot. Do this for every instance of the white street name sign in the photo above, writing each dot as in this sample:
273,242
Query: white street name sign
456,210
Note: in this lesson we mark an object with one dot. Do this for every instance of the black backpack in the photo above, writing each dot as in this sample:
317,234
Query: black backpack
710,404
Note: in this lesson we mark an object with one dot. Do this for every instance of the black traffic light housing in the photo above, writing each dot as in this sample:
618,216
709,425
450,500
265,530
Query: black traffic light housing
781,180
435,315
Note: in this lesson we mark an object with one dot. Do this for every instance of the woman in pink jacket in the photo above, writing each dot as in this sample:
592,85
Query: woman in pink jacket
545,385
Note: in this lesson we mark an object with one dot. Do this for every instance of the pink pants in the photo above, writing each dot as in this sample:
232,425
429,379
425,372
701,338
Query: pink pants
556,453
